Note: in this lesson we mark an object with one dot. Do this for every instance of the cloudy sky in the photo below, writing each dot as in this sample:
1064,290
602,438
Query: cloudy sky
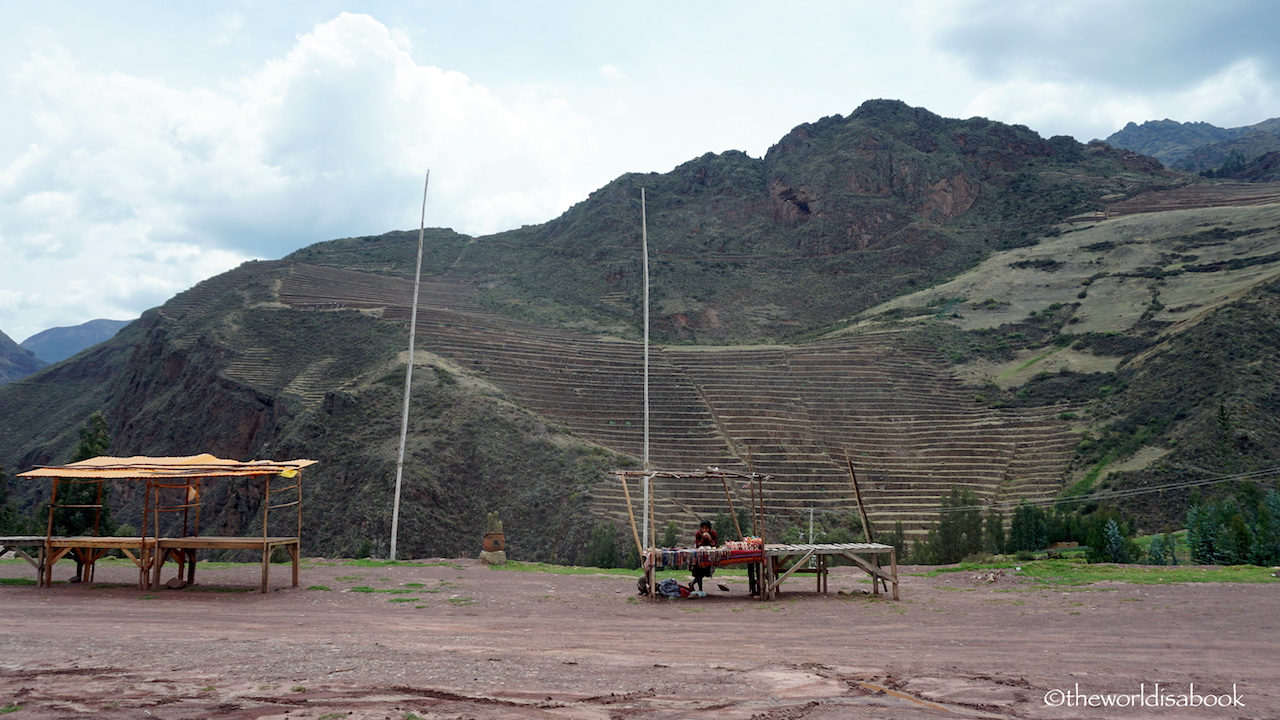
146,145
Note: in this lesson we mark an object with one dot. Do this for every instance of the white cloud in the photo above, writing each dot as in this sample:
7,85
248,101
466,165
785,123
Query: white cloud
1230,98
148,145
134,189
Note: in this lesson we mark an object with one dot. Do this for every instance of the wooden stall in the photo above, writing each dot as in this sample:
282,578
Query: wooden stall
773,563
170,523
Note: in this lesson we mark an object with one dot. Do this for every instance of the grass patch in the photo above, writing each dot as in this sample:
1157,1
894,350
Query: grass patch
462,601
405,600
1036,359
325,588
1053,573
17,581
362,589
9,707
1085,484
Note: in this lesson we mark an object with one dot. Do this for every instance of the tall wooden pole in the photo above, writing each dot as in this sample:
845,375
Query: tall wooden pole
408,373
857,495
648,479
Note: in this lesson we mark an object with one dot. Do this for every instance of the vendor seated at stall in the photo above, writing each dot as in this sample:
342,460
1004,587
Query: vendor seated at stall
705,537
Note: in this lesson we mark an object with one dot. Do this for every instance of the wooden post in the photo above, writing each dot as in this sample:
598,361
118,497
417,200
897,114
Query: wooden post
866,522
893,566
729,499
97,512
635,532
857,495
653,521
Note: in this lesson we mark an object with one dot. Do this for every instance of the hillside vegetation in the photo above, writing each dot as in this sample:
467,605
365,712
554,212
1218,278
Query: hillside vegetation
1155,332
881,290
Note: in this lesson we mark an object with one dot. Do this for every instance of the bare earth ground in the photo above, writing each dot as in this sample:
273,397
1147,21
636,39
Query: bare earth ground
467,641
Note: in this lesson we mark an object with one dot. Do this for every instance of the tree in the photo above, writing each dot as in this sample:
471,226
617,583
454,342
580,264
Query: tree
10,523
1029,529
898,539
670,535
1240,528
94,441
602,548
1108,540
958,531
722,523
993,538
1163,550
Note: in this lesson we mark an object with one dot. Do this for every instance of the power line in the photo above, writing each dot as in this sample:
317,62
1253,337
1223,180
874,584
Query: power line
1121,493
1048,502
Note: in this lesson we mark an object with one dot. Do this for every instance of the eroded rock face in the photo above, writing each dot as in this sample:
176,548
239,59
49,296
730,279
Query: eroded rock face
792,204
949,197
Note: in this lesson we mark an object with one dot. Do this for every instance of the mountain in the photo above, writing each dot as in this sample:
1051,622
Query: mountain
1199,146
1155,330
1263,169
15,361
57,344
839,215
807,319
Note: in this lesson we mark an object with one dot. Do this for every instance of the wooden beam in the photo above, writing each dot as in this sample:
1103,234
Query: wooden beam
794,567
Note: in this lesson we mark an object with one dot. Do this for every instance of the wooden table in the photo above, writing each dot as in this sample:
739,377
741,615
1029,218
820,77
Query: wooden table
783,561
88,549
183,550
16,543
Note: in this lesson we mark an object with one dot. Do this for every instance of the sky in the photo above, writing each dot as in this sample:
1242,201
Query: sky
147,145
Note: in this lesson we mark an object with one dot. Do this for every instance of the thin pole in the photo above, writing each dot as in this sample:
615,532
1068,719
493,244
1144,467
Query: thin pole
408,373
644,247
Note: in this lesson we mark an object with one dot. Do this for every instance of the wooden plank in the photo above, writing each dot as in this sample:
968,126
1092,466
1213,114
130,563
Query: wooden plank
226,542
794,567
635,533
16,543
875,571
893,564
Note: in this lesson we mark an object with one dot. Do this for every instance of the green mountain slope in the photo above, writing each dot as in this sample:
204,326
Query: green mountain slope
527,388
1155,332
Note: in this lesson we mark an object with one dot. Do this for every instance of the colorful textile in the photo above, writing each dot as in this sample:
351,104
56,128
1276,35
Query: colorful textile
730,553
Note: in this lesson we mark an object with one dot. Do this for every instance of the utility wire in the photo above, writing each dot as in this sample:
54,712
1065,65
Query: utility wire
1091,497
1122,493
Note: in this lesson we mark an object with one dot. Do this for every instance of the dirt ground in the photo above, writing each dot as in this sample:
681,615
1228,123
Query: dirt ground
457,639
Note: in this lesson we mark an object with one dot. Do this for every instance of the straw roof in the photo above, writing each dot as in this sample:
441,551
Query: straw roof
143,468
